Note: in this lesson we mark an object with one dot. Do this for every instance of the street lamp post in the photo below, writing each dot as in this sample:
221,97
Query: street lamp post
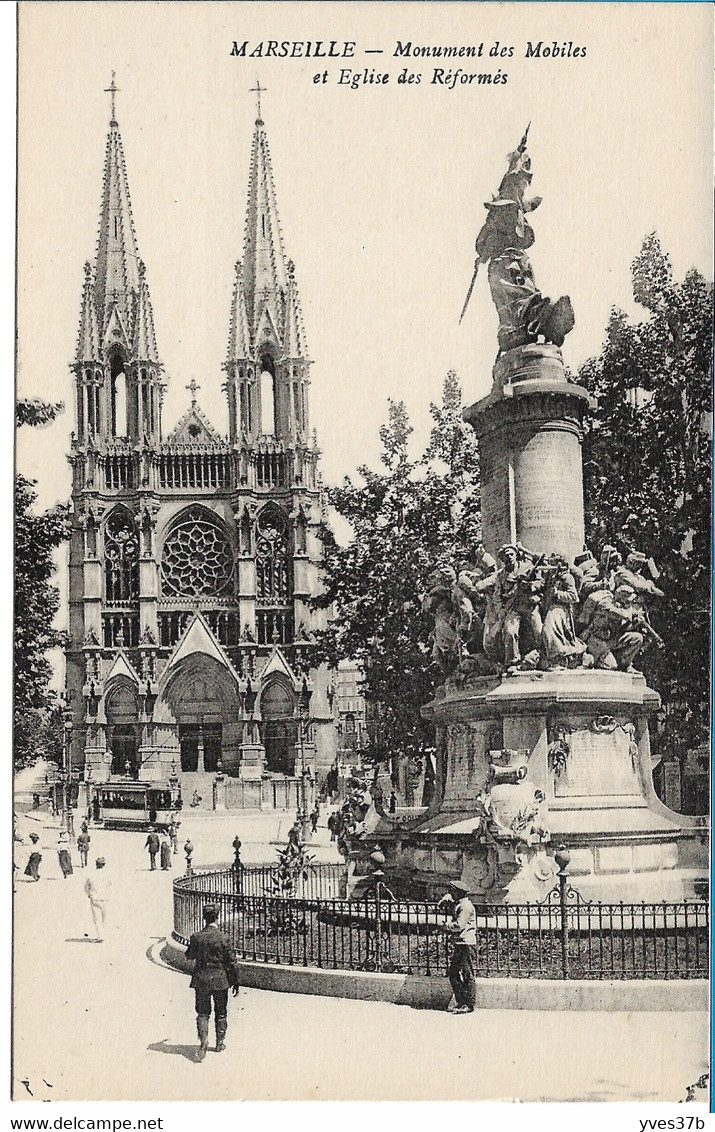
303,725
66,769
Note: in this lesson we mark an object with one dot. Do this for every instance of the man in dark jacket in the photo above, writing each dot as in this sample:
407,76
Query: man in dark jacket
152,844
214,972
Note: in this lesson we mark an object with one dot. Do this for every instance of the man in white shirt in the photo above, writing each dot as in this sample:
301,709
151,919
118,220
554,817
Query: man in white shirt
463,930
98,887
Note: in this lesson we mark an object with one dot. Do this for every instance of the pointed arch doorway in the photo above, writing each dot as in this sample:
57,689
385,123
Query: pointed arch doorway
203,699
280,733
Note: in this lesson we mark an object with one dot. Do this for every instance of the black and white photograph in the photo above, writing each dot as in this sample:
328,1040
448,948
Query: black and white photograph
362,553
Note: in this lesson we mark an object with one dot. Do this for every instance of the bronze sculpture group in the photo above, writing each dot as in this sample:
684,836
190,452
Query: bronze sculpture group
525,315
521,612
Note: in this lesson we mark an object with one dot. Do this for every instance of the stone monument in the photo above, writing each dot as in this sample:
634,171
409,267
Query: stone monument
543,718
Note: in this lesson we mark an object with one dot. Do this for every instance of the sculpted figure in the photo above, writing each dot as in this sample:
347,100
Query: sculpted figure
585,569
476,609
525,315
633,574
596,581
616,629
439,605
560,647
515,590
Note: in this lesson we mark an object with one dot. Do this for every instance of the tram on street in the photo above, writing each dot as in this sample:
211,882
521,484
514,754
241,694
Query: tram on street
133,805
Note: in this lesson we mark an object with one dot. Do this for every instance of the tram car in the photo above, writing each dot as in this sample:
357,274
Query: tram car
133,805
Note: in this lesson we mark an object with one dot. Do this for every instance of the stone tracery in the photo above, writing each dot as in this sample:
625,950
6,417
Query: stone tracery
197,559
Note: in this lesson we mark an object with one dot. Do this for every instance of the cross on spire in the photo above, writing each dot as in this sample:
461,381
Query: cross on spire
193,387
258,90
112,90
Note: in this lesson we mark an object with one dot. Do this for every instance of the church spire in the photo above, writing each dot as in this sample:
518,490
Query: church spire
117,261
266,345
116,350
264,264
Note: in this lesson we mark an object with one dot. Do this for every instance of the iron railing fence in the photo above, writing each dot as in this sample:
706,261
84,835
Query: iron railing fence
319,881
553,940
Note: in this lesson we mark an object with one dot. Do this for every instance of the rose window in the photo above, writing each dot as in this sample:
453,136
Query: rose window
197,559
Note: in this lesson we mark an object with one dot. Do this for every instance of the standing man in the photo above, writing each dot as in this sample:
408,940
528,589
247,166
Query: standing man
173,832
83,845
98,886
463,930
214,972
152,844
165,853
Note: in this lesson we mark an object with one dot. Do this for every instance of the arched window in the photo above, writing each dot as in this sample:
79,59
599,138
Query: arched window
197,560
273,562
274,578
121,557
118,392
268,397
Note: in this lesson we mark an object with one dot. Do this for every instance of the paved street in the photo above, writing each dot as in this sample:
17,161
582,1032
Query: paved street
111,1022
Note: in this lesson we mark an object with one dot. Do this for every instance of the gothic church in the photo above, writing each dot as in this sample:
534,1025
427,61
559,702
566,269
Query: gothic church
193,556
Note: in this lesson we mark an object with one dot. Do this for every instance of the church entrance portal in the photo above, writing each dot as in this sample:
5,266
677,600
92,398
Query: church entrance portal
123,730
280,733
200,745
203,699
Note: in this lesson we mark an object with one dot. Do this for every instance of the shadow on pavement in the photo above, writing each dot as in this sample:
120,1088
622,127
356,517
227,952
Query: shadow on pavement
164,1046
83,939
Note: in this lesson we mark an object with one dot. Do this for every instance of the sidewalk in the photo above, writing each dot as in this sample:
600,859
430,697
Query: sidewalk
111,1022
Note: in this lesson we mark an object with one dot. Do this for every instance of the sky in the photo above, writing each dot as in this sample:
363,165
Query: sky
380,188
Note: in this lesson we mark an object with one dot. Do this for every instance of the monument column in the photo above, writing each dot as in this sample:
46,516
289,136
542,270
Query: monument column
530,433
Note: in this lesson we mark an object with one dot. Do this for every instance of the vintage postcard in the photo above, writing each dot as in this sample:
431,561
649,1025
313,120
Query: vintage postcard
362,559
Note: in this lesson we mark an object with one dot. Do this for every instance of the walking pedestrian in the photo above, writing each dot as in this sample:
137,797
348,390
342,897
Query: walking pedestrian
165,852
214,972
333,826
152,844
63,854
32,868
98,887
173,832
463,930
83,846
314,821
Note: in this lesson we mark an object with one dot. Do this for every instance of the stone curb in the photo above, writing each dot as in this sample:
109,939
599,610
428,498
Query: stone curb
424,992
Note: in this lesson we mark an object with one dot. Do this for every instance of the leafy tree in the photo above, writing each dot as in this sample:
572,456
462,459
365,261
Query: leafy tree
415,513
647,471
36,718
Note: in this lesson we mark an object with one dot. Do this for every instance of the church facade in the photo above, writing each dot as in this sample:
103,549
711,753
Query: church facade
194,556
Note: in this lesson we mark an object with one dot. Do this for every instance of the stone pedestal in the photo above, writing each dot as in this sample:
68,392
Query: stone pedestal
99,759
528,762
156,763
253,757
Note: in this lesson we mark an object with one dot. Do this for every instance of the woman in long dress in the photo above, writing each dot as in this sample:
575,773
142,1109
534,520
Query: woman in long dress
32,868
63,854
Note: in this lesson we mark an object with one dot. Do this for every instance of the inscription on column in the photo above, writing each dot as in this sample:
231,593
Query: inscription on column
549,493
496,505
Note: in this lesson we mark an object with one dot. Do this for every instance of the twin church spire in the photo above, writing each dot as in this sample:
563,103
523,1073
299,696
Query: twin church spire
267,362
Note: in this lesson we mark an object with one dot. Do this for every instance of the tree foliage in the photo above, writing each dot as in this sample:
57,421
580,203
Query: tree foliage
412,514
37,600
647,470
